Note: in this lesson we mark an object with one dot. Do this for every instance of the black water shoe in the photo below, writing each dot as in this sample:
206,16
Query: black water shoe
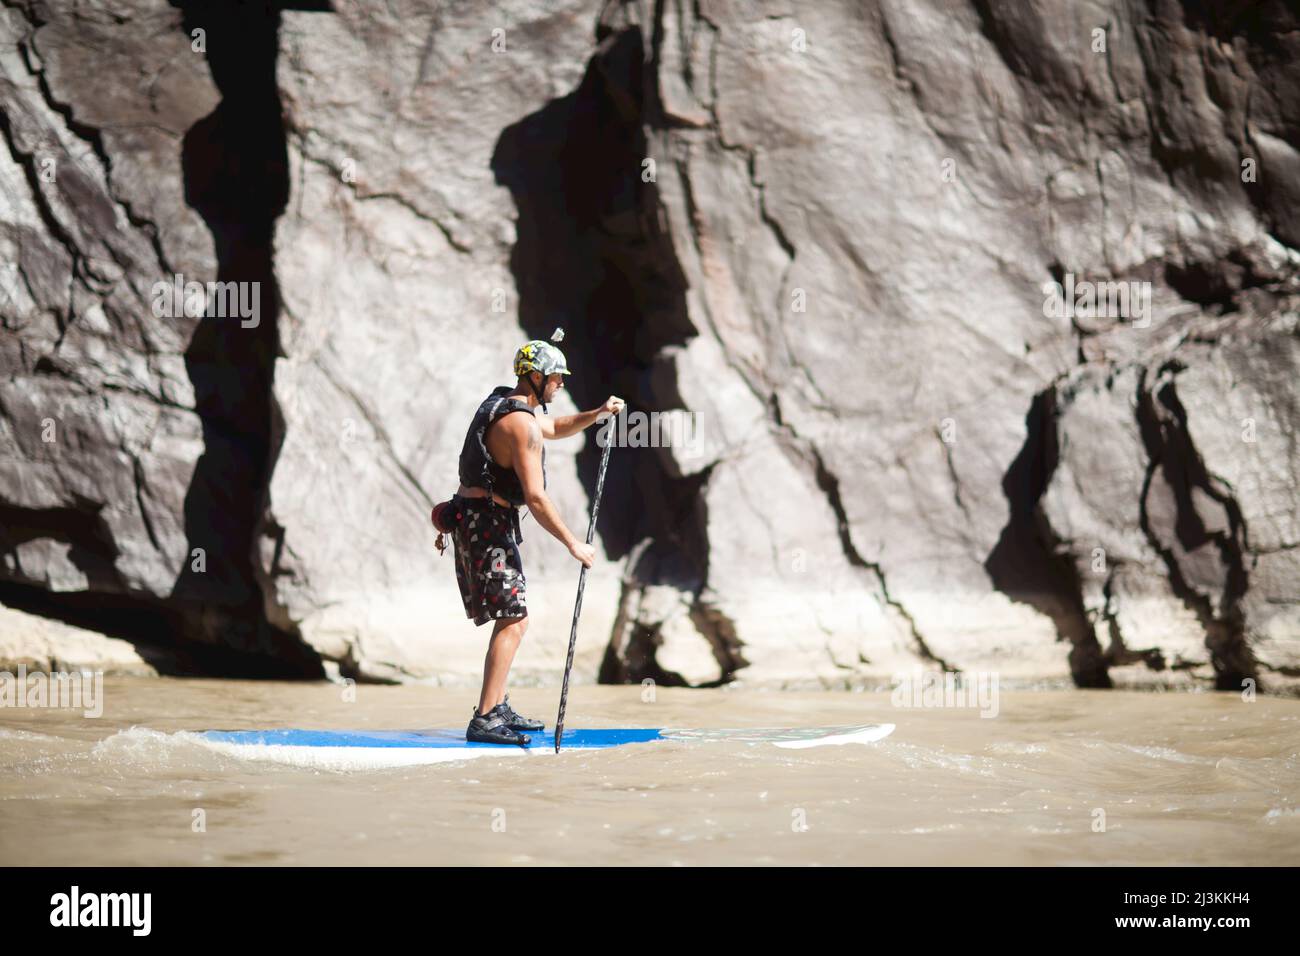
492,728
515,721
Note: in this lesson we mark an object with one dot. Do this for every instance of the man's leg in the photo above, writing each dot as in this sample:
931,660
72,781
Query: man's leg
506,635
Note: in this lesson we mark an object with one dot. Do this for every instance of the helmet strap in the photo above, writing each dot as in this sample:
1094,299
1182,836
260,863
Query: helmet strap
533,385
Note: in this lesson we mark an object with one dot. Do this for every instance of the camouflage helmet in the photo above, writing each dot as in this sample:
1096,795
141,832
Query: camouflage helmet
541,356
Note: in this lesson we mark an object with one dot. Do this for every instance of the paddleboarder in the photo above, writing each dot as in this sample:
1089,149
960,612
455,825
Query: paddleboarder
503,468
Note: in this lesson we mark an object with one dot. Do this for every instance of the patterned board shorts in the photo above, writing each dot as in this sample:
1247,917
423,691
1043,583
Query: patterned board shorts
489,569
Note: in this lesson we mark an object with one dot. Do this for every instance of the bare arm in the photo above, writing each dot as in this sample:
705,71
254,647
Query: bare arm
567,425
525,434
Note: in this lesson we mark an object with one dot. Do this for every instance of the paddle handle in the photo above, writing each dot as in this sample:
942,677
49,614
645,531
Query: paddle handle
582,584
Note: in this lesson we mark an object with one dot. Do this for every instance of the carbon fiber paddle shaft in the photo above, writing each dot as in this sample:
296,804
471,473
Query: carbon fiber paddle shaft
582,584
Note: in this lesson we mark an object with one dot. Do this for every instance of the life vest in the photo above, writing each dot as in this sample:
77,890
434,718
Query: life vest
476,468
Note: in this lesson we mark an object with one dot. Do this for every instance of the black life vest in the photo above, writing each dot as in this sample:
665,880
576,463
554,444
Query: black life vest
477,469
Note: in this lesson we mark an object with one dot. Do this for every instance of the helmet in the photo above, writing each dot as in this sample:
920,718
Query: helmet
540,356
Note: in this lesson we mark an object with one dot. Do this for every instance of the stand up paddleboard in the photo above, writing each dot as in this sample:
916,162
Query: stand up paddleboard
436,746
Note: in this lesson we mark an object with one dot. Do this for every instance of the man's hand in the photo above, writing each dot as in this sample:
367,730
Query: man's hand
613,405
583,552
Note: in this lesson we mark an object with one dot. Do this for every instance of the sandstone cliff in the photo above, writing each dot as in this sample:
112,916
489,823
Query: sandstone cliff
830,231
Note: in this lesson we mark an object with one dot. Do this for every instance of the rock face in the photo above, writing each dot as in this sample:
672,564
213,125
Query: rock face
40,643
979,322
399,317
101,432
135,435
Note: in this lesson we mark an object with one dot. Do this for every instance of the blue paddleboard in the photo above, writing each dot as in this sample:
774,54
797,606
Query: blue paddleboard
387,748
436,739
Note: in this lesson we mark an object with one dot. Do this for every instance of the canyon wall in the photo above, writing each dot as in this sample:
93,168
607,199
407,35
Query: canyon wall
853,243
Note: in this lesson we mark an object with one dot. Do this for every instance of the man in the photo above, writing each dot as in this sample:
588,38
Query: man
502,468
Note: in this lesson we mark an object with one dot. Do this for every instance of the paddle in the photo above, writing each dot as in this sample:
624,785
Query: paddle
582,583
